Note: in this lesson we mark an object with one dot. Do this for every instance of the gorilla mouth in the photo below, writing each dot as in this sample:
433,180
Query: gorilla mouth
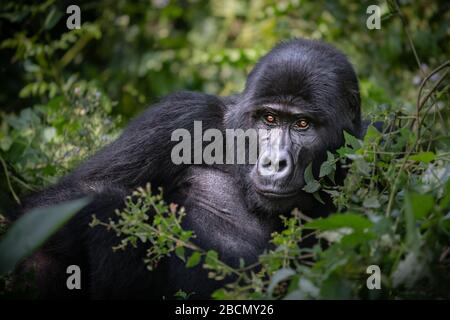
272,193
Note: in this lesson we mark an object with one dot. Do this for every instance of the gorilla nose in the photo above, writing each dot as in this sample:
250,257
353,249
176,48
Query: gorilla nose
277,166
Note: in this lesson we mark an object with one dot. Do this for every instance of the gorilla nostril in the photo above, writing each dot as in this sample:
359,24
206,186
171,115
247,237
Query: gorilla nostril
266,162
267,165
282,164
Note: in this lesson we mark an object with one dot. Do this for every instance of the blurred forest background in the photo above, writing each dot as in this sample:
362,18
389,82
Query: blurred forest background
65,93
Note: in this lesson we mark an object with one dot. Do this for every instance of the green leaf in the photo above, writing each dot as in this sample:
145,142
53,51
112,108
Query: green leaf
336,287
312,187
425,157
352,141
194,259
212,258
446,198
179,251
336,221
328,166
345,151
421,204
309,177
362,166
325,169
412,234
33,229
356,238
372,134
316,196
220,294
52,18
445,223
5,143
181,295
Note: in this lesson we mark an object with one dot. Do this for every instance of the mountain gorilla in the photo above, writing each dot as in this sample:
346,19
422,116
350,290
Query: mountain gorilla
305,90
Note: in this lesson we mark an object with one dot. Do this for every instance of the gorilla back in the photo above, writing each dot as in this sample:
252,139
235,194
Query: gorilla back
304,92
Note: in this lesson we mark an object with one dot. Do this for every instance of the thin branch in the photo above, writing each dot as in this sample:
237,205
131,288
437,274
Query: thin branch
421,102
8,181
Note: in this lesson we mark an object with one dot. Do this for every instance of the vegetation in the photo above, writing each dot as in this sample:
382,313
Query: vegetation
68,92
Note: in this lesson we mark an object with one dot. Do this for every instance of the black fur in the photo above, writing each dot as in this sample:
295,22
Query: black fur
223,207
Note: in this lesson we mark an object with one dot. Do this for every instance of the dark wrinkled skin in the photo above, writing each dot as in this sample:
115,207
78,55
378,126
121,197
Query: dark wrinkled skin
233,209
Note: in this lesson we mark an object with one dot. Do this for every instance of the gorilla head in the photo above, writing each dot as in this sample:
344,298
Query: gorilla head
305,93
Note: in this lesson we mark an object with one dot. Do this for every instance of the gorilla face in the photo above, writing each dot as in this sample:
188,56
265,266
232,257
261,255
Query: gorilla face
293,141
304,93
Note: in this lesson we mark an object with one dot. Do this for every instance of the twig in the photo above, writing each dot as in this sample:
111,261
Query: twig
420,102
5,169
411,43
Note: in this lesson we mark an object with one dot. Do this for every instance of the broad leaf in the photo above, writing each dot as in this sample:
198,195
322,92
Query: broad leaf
193,260
425,157
33,229
336,221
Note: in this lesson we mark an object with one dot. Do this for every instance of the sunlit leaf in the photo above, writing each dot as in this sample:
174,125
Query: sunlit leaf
194,259
425,157
337,221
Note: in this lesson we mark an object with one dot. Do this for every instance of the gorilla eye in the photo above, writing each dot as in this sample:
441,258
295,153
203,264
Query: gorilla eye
270,118
302,124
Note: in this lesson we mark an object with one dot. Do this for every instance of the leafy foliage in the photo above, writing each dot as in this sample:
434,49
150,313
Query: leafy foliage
162,232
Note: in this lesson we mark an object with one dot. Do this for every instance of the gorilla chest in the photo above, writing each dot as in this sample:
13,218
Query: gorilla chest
216,211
